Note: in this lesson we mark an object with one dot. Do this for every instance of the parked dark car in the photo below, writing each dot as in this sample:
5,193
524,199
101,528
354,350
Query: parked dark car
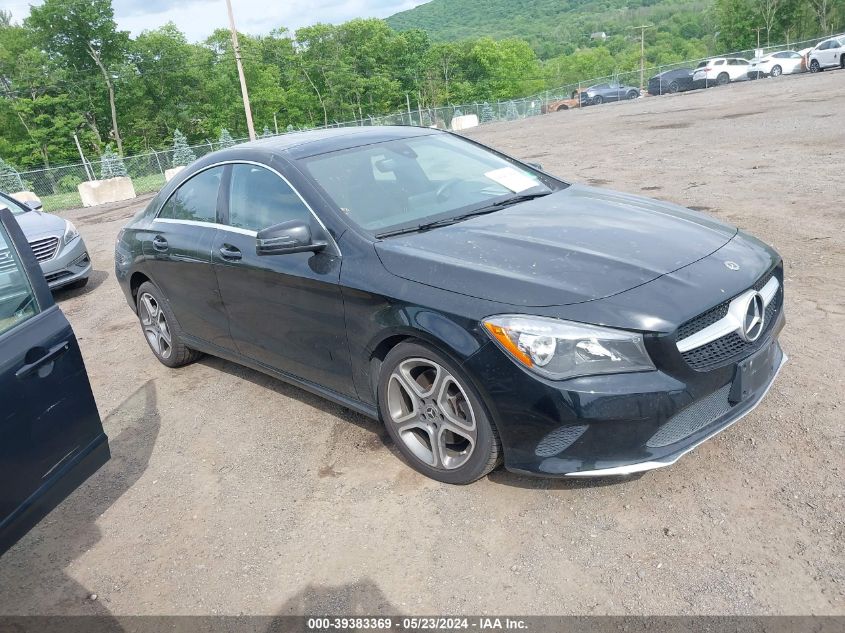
51,438
671,81
605,93
482,308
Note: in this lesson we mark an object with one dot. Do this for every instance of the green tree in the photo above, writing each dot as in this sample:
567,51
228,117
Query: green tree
111,164
10,179
737,21
84,34
182,153
225,141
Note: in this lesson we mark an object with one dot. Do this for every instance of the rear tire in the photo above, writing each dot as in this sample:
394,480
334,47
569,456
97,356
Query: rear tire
160,328
777,71
434,415
674,87
633,94
723,79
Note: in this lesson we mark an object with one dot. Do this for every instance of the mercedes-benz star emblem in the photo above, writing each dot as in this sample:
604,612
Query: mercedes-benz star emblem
732,265
755,314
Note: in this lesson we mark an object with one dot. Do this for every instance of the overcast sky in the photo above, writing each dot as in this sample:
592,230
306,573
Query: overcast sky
198,18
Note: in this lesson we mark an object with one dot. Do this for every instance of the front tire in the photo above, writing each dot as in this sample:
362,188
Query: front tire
435,416
633,94
777,71
160,328
598,100
814,66
674,87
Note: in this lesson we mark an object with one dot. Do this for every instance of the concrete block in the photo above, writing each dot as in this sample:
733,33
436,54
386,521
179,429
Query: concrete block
464,122
26,196
169,173
97,192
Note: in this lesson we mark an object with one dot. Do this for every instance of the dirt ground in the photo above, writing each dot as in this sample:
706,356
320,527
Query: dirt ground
231,493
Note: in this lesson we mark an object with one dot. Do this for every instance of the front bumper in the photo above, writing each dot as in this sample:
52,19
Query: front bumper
72,263
610,425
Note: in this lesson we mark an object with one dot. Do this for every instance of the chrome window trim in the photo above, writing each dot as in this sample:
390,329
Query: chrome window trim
235,229
732,321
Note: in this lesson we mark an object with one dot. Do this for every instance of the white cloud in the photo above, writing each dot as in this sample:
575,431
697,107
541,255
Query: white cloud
198,18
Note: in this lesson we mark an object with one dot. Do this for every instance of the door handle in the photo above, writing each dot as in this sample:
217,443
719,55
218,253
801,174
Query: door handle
52,354
159,243
231,253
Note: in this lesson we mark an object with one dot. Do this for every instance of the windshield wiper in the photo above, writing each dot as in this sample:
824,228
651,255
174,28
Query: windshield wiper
490,208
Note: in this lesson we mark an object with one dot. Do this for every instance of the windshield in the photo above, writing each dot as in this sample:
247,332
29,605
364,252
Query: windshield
12,205
407,182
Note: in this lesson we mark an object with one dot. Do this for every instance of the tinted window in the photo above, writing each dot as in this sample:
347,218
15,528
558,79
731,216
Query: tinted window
196,199
17,301
719,62
258,198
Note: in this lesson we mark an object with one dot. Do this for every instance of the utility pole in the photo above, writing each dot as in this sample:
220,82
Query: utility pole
642,29
244,93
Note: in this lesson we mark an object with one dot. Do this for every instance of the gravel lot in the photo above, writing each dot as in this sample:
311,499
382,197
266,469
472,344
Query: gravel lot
230,493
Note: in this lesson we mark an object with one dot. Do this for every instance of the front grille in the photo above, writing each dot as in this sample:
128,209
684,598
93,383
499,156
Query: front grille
731,347
45,249
694,418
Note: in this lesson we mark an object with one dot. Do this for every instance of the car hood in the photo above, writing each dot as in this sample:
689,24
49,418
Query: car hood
36,224
576,245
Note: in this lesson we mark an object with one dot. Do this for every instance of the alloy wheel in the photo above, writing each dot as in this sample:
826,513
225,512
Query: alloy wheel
776,71
155,325
431,413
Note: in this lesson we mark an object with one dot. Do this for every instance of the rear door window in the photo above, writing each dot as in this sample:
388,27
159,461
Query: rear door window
17,300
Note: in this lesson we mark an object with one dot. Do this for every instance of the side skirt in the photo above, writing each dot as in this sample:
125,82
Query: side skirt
354,404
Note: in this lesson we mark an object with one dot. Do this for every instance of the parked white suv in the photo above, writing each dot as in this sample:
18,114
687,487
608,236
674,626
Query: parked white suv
827,54
720,71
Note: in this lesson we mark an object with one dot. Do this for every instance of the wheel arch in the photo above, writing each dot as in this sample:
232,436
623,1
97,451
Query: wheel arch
135,281
446,336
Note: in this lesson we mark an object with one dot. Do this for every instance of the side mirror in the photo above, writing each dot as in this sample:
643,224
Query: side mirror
34,205
293,236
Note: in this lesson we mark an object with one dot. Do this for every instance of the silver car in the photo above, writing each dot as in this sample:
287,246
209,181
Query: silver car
57,245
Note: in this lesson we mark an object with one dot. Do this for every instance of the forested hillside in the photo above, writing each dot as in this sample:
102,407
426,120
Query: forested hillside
556,27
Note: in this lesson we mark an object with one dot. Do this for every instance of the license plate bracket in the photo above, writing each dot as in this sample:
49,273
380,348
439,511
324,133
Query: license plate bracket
753,373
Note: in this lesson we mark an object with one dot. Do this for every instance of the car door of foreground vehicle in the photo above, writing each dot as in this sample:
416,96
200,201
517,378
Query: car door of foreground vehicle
179,257
51,438
285,310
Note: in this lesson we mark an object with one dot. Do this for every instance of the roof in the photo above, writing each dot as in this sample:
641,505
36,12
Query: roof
313,142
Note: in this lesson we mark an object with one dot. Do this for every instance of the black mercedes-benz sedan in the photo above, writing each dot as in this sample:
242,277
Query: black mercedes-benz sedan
485,310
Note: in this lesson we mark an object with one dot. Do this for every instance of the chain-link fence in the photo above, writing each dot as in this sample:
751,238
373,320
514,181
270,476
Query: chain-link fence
57,186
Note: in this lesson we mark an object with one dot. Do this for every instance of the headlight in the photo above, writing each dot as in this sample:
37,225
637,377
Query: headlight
560,349
70,232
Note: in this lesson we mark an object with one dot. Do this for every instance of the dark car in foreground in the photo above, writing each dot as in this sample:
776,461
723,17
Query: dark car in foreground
56,243
51,438
609,92
485,310
671,81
